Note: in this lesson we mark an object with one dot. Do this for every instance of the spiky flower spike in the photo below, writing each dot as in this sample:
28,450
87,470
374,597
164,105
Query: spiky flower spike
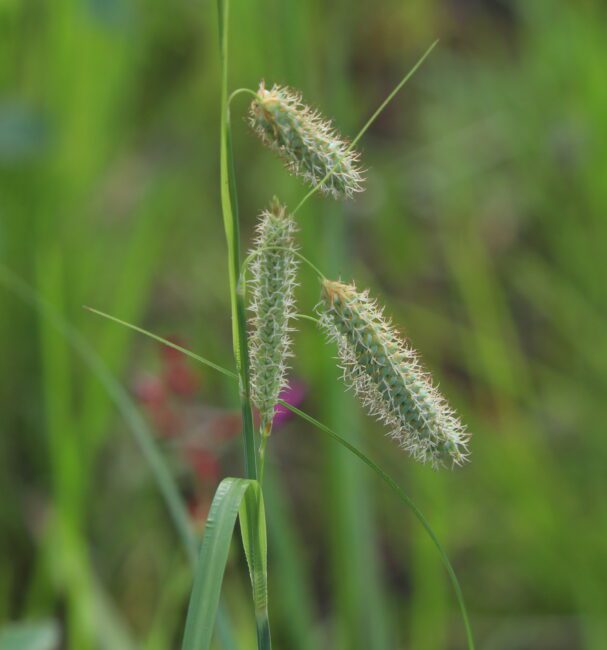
385,373
307,142
273,269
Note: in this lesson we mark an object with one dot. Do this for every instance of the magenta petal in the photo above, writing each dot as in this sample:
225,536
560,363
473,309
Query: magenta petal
293,395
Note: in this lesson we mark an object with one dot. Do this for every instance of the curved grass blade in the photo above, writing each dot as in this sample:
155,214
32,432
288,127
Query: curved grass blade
122,401
234,496
388,480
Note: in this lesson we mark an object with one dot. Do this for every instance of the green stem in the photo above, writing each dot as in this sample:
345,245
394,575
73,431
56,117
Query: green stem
262,625
306,317
240,91
262,457
229,208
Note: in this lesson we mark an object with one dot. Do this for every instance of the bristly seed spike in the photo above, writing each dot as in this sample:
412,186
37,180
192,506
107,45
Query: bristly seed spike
307,142
273,271
386,375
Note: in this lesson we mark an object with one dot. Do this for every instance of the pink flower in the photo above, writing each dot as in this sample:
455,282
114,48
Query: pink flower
293,395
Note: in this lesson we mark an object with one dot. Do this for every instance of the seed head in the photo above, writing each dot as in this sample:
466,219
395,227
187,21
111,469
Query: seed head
307,142
272,302
386,375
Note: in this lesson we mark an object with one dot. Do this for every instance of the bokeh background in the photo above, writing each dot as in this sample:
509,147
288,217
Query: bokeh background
483,228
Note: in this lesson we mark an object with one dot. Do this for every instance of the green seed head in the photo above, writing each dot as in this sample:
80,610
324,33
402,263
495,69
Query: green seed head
386,375
307,142
273,271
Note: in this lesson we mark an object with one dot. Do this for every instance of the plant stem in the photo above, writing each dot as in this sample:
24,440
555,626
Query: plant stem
240,91
262,625
229,205
229,208
262,456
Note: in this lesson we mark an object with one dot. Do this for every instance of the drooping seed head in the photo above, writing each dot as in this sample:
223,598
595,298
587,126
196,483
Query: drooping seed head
386,375
307,143
273,271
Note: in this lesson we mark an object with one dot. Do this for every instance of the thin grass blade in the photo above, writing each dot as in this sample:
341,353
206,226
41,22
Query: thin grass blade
402,495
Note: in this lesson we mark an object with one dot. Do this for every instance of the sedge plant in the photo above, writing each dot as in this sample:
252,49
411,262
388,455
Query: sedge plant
381,366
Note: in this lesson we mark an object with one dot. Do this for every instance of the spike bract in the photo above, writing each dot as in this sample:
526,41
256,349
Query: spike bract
306,142
385,373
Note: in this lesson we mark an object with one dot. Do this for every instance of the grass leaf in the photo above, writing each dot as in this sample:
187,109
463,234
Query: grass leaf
233,496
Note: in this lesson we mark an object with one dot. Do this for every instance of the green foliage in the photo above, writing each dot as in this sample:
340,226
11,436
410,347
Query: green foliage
482,228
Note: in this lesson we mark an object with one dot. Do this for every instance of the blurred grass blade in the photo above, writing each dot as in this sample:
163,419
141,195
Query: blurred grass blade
123,402
233,496
388,480
292,571
131,415
39,635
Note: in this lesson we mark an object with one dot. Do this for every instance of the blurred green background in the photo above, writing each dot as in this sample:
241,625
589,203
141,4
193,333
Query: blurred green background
483,228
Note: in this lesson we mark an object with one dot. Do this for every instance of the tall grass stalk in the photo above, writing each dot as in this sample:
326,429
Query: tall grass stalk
229,206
